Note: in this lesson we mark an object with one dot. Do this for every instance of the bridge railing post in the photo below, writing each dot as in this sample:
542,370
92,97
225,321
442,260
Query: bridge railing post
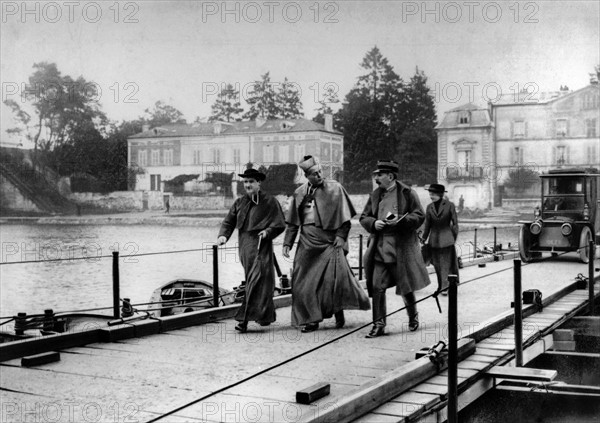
215,251
591,254
518,314
452,349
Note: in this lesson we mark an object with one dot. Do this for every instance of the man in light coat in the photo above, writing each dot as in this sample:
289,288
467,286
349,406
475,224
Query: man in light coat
393,257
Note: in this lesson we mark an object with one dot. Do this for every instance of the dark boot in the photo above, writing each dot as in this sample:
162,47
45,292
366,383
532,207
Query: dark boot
411,309
242,327
340,321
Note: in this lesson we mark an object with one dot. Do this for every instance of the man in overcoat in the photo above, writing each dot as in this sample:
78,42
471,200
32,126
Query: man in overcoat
393,257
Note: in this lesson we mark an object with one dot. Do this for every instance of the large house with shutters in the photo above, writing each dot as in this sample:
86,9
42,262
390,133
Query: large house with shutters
166,152
479,146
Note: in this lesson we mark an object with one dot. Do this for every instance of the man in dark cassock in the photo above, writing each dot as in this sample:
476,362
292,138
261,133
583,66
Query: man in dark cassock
393,257
259,219
323,284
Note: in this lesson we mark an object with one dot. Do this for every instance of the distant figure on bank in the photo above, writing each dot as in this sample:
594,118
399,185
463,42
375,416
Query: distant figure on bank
323,284
461,204
441,227
259,219
167,205
393,257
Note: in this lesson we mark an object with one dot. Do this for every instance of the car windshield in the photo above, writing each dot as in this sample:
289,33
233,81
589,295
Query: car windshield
565,193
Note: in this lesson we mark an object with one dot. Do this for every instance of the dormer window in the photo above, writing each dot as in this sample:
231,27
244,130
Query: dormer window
463,118
217,128
286,125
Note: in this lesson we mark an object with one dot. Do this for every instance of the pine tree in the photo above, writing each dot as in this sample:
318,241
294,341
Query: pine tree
288,101
262,100
227,107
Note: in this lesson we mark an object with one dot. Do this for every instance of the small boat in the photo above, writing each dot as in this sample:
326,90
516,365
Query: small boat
185,295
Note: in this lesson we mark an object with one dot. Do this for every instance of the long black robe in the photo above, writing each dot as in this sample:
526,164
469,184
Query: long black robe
250,218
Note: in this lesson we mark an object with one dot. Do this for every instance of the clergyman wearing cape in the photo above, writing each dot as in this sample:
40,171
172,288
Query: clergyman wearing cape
323,284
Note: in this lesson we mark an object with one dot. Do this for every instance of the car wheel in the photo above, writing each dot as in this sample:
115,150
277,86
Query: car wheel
524,244
584,242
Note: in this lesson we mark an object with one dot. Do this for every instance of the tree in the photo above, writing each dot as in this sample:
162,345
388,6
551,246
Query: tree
415,124
162,114
595,76
61,106
227,106
329,97
288,103
262,100
367,115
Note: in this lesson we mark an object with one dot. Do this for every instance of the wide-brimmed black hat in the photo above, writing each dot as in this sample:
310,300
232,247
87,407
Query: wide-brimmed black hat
254,174
439,188
385,166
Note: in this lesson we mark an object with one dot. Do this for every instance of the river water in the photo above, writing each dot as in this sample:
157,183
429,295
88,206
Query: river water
30,283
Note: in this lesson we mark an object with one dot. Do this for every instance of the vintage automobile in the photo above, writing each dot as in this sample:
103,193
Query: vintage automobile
567,218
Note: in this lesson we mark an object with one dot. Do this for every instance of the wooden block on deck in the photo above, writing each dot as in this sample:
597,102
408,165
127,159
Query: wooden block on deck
522,373
564,346
563,335
39,359
313,393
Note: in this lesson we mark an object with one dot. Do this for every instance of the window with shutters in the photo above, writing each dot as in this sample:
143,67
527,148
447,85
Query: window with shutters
517,156
216,155
155,157
519,129
299,152
562,127
168,157
142,158
284,154
592,154
590,128
268,154
197,157
561,155
236,156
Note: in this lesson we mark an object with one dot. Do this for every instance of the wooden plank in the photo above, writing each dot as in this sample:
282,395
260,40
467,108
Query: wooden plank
565,346
522,373
399,409
430,388
426,400
473,365
480,350
443,380
495,346
563,335
464,373
360,400
379,418
483,358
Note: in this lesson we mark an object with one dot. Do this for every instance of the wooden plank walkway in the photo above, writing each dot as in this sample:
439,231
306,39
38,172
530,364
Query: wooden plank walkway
493,351
140,379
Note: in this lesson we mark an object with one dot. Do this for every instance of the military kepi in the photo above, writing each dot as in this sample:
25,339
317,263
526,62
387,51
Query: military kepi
254,174
309,164
386,166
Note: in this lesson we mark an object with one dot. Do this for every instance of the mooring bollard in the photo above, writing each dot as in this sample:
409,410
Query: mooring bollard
116,287
360,257
452,349
475,245
518,314
48,324
215,275
20,321
494,249
591,254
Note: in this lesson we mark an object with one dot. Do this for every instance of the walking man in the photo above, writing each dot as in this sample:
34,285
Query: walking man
323,284
259,219
393,257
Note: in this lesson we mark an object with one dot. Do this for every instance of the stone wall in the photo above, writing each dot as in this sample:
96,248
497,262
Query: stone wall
12,199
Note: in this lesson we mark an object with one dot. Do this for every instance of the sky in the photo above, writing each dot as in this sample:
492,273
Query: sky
180,52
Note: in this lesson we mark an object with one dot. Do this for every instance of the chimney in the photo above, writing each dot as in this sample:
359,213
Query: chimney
329,122
260,121
145,127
